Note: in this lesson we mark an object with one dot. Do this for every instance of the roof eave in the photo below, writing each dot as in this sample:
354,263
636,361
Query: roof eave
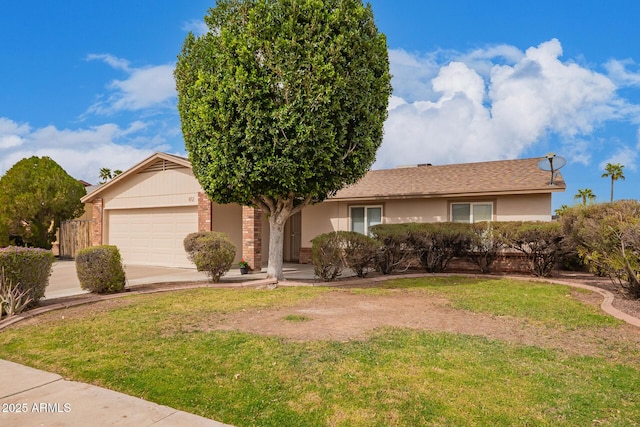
550,189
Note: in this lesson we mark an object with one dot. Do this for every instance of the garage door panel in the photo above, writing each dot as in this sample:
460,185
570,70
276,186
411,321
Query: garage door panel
153,236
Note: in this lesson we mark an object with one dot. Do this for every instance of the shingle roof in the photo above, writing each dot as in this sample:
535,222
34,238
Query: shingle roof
485,178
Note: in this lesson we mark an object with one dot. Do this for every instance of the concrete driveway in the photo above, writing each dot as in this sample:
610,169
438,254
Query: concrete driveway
64,281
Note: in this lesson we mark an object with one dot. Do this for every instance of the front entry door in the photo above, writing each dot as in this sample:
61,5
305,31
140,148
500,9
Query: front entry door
293,238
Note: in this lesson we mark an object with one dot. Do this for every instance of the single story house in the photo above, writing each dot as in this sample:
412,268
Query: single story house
148,210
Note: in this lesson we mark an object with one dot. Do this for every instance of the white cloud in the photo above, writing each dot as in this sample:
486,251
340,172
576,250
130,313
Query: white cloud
144,88
113,61
501,111
626,156
618,72
80,152
197,27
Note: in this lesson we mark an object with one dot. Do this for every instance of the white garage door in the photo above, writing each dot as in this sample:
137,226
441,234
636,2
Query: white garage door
153,236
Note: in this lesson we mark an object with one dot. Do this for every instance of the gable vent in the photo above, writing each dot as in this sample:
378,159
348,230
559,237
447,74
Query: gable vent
161,165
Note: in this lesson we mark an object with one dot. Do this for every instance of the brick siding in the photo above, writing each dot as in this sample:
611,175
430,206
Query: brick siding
97,218
204,212
252,237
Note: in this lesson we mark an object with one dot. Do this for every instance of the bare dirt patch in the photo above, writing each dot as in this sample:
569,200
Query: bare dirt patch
341,315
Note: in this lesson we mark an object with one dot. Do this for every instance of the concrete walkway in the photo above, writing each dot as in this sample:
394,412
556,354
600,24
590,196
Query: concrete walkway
32,398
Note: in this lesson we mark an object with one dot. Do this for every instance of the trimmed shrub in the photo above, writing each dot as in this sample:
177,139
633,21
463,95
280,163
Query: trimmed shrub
27,269
100,269
436,244
332,252
211,252
395,253
359,251
541,242
326,255
485,244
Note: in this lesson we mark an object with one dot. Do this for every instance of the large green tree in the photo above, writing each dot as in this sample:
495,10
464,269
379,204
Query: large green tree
282,103
613,170
36,195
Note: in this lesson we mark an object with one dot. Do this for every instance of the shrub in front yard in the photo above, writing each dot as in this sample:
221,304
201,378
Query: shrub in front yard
326,255
485,244
211,252
395,252
13,299
100,269
27,269
541,242
607,236
359,251
436,244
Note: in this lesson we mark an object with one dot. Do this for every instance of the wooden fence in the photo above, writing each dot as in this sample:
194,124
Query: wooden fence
73,236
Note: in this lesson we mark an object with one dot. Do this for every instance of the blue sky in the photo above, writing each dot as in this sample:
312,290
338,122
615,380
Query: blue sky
90,83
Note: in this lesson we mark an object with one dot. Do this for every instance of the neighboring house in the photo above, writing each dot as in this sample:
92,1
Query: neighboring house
149,209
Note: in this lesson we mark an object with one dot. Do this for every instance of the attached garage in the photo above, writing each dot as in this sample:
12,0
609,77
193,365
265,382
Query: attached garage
152,236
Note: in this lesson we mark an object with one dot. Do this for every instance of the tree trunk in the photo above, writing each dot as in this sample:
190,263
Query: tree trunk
277,221
611,189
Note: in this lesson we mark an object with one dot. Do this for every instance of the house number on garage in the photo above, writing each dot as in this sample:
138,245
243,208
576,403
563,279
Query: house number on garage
192,199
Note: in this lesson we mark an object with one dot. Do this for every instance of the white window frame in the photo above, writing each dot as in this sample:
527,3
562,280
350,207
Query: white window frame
366,216
471,204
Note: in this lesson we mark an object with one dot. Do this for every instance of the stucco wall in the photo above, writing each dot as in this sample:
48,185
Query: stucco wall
334,216
532,207
173,187
228,219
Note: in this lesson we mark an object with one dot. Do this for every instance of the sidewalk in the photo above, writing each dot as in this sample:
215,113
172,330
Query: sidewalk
30,398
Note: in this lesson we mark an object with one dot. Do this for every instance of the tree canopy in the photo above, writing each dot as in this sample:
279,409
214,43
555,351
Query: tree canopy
36,195
282,103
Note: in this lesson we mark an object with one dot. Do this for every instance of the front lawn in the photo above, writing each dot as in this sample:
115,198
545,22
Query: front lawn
182,349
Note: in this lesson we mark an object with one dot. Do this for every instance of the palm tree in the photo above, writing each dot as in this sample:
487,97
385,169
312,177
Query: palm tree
613,170
586,195
105,175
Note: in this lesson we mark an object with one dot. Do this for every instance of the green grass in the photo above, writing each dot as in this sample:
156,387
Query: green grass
296,318
154,346
552,305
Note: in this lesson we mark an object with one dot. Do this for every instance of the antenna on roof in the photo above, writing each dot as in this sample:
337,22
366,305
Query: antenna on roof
552,163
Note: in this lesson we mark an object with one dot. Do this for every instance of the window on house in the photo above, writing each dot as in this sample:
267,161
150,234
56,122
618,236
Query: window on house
471,212
363,217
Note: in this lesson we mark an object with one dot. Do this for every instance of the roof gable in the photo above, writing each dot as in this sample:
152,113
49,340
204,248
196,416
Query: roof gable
154,163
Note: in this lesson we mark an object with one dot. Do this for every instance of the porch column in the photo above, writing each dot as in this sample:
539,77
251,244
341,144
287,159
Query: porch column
252,237
96,223
204,212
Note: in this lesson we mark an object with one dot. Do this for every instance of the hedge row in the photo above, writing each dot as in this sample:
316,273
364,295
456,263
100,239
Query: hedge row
433,246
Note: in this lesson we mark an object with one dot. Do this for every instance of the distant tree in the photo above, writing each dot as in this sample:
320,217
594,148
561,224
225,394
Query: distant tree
105,174
613,170
36,195
282,103
586,194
